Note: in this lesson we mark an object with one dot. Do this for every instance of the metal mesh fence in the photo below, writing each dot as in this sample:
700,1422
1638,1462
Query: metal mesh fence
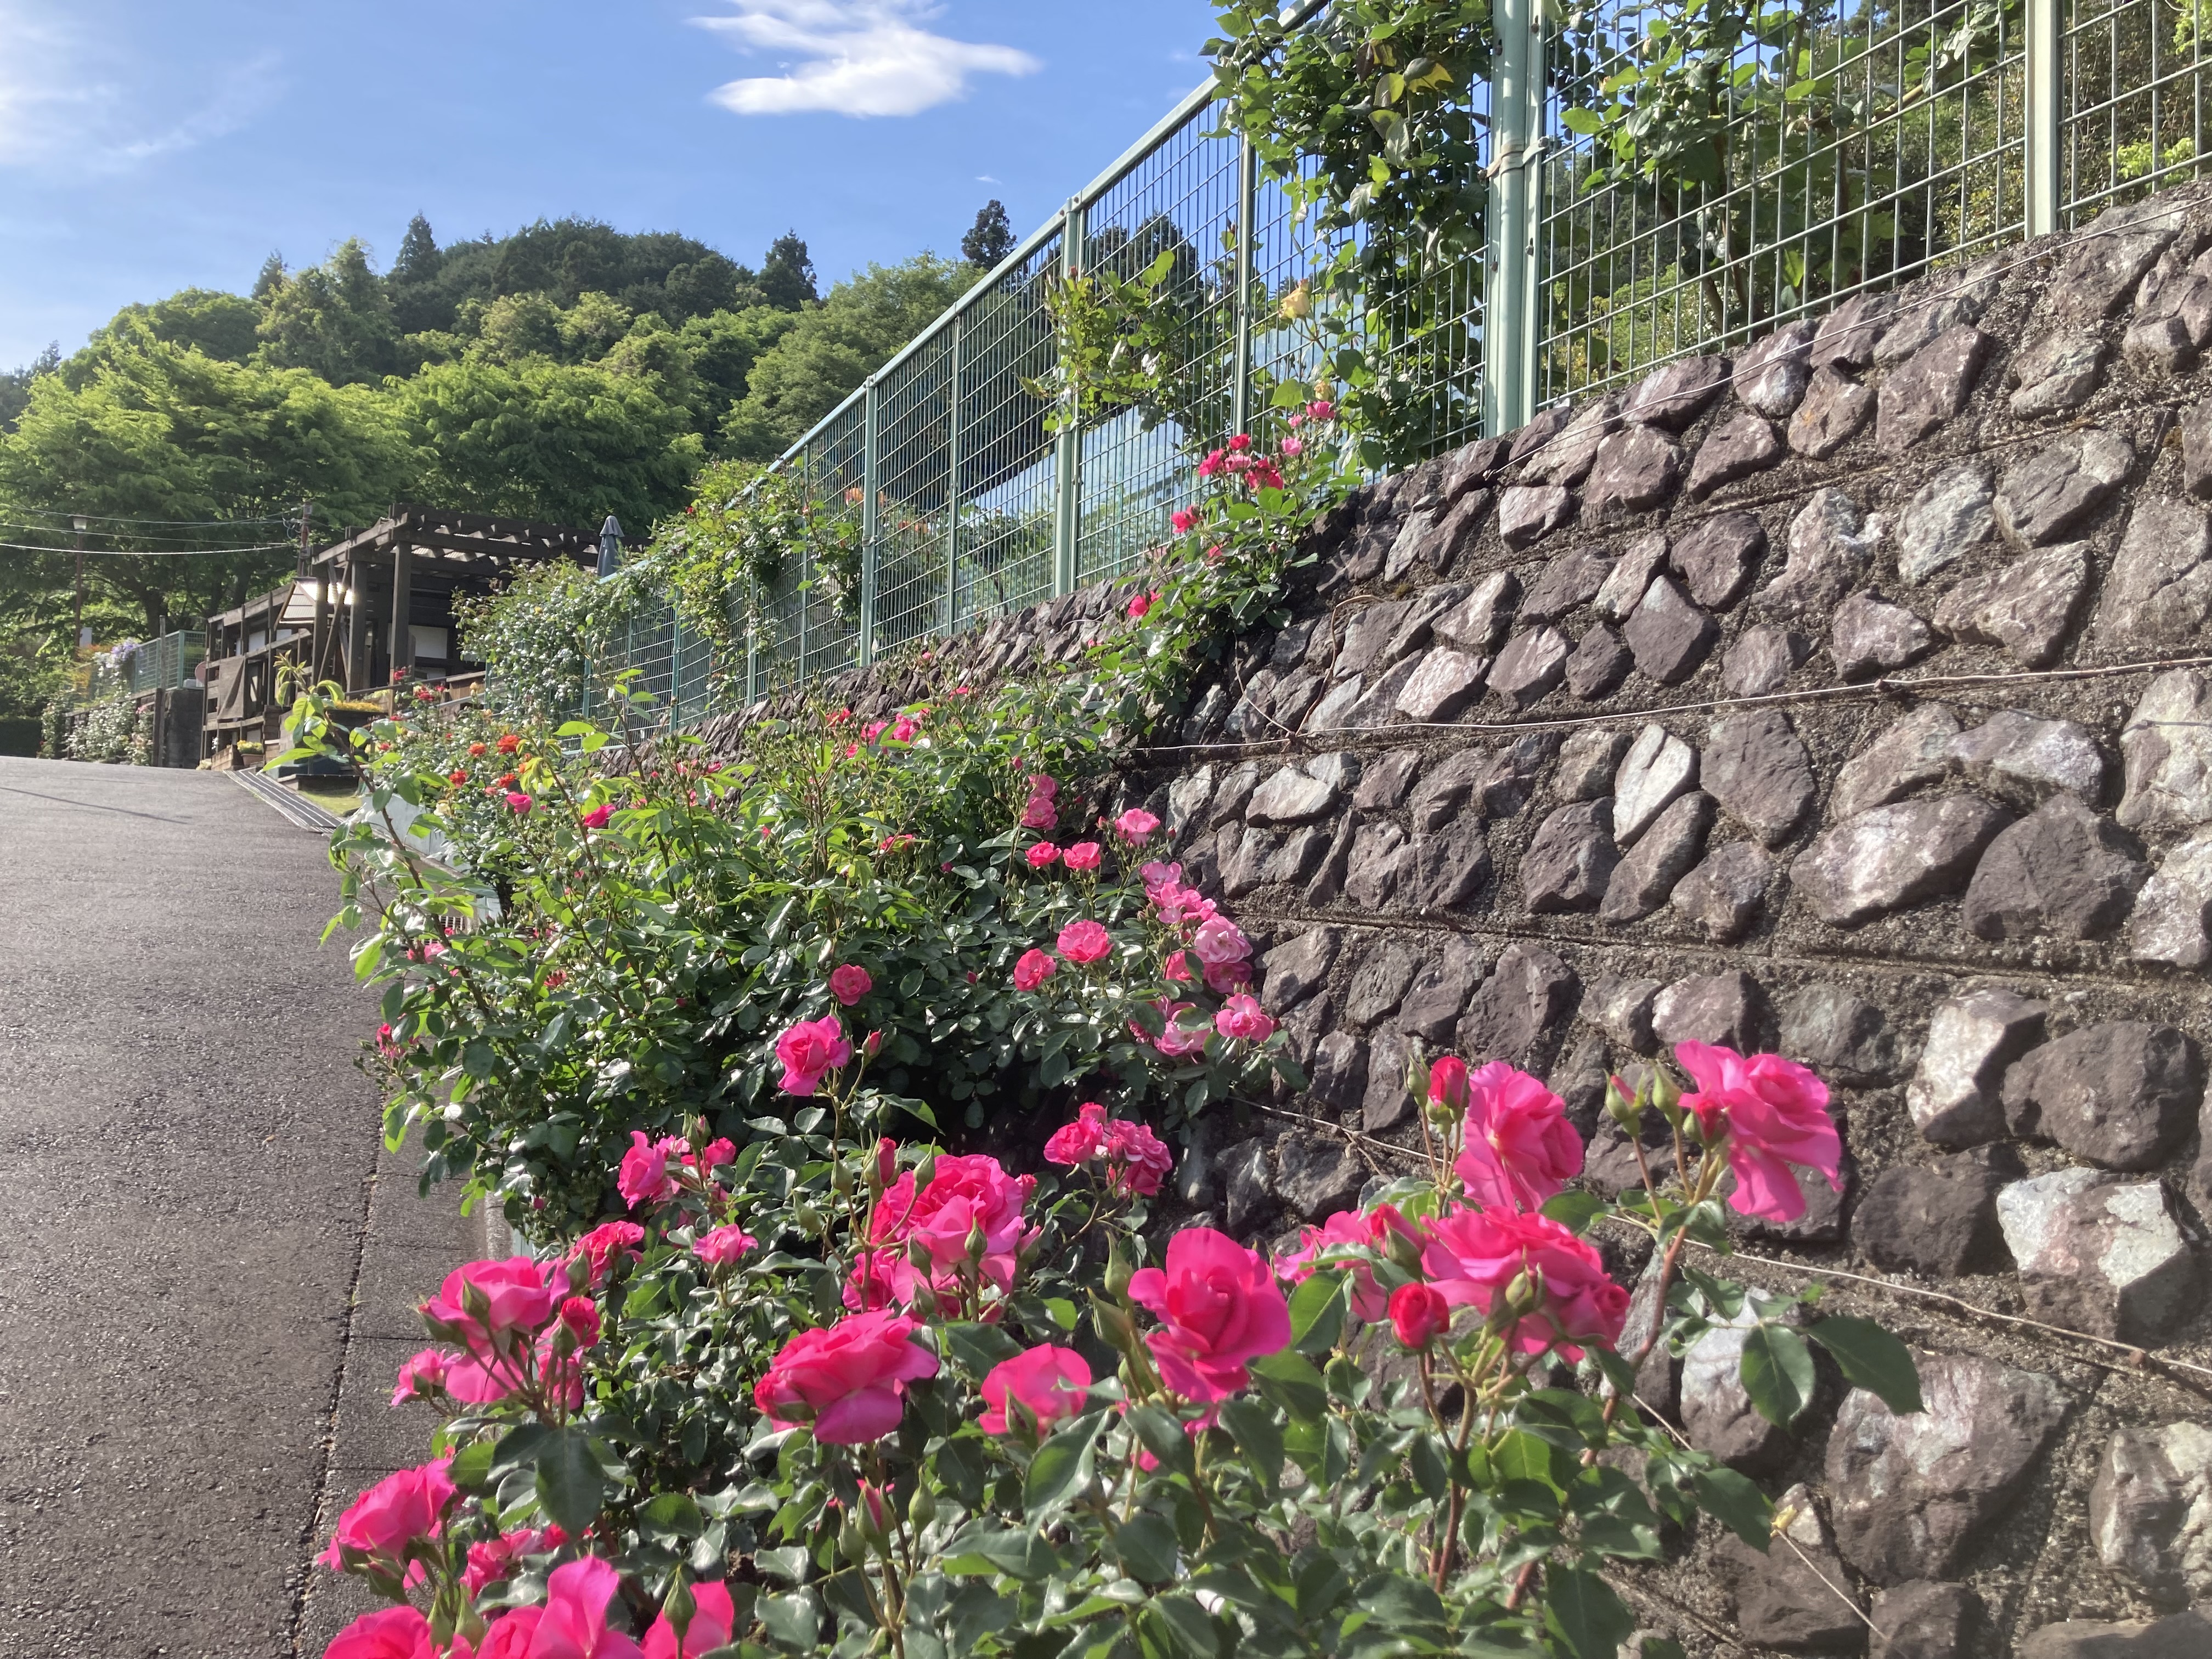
164,663
1841,150
1838,149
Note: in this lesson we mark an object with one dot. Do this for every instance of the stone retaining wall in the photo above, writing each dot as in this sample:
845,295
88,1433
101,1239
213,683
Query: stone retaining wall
1852,698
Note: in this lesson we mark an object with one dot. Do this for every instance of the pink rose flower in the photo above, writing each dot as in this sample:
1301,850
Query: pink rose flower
724,1246
1473,1256
1137,824
1211,466
1518,1148
1074,1143
809,1050
605,1245
509,1636
1040,813
493,1560
1082,942
1322,410
1183,519
1221,1308
1045,784
872,729
1325,1246
712,1617
902,729
574,1625
422,1376
1034,968
965,1192
1081,857
1292,447
399,1632
1184,1029
643,1177
1448,1083
1219,940
579,1317
1241,444
1228,978
520,1297
1139,605
598,817
1774,1114
1243,1019
399,1511
1137,1160
1418,1315
1176,969
850,1379
1049,1383
850,983
1042,855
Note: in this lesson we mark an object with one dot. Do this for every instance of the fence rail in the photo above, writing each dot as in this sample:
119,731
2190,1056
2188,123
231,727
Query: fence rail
1854,146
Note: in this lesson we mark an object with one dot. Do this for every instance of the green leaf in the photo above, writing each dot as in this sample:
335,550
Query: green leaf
571,1485
1024,1555
1581,1609
1147,1546
977,1347
1160,1434
1061,1468
793,1620
1317,1313
1575,1211
1588,123
1871,1358
1258,1436
1776,1372
471,1467
1290,1381
1189,1624
1732,1500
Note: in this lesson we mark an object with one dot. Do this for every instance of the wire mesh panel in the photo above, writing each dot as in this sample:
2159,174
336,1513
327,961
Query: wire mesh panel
836,521
2134,121
1839,151
1005,476
914,493
1179,203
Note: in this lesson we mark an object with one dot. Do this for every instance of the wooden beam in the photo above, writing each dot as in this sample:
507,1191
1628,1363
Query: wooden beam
403,603
356,647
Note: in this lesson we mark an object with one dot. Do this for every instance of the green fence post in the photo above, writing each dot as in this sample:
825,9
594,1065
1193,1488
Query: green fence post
1067,457
1247,191
1509,289
2045,126
869,434
952,481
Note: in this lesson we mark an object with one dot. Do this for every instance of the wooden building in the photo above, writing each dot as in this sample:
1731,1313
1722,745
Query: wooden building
371,606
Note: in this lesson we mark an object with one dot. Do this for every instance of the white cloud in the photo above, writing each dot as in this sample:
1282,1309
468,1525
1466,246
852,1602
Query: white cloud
73,102
856,58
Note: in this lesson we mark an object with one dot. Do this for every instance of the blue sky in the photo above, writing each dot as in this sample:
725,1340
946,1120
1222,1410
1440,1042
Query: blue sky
149,145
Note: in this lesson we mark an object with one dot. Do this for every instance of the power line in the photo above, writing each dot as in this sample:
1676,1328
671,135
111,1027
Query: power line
174,524
144,553
44,530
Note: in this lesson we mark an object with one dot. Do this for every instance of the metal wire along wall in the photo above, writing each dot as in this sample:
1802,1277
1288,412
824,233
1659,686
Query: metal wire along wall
1852,148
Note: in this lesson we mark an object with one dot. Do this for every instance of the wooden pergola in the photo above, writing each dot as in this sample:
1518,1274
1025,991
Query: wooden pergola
375,603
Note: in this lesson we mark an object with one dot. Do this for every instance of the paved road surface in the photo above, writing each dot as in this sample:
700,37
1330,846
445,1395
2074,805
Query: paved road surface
205,1261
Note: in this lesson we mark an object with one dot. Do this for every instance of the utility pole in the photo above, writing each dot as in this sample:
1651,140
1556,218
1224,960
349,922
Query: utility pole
79,519
307,518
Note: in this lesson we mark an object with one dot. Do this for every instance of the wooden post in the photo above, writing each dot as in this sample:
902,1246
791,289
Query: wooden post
403,598
356,647
319,636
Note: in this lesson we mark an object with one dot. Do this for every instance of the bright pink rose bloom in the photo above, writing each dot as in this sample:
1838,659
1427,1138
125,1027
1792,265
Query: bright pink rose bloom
1044,785
716,1152
398,1632
1084,942
1042,855
1227,978
887,1161
1473,1255
712,1615
1325,1246
1157,878
811,1048
1049,1382
1183,519
580,1315
724,1246
1292,447
1085,1138
396,1511
964,1193
902,729
872,729
1034,968
643,1177
1082,856
1519,1149
851,1377
1137,1160
493,1560
850,982
1184,1029
1211,466
1040,813
598,817
1418,1315
575,1622
1138,605
1774,1113
605,1245
1219,939
1448,1083
1221,1307
1322,410
1243,1019
1137,824
423,1377
1176,969
509,1636
518,803
520,1295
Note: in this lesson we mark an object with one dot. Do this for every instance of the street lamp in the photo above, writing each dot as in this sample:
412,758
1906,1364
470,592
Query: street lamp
610,546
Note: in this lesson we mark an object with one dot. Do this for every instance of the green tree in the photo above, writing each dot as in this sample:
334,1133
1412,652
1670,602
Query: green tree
334,319
990,238
555,442
16,384
830,349
202,319
786,277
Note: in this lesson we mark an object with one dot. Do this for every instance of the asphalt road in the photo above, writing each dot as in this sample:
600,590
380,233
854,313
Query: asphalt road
188,1165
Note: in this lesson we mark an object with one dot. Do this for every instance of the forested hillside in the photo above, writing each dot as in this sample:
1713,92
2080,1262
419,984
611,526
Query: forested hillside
561,373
